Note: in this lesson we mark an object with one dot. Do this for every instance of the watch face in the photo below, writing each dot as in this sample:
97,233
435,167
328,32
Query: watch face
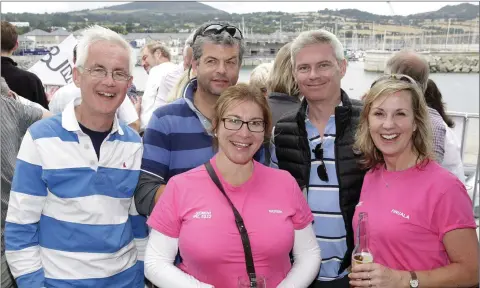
414,283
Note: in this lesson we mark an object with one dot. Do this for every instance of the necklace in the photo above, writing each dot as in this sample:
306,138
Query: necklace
396,178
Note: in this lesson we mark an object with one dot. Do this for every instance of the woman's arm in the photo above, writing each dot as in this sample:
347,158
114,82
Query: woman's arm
307,259
462,250
159,267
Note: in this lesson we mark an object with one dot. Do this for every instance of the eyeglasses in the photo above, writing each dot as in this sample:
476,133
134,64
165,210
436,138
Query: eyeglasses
99,72
216,29
256,126
321,169
400,77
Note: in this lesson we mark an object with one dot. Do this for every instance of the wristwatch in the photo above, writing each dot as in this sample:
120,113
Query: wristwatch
413,280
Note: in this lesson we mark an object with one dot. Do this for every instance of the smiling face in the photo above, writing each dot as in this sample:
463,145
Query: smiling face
103,95
318,73
239,146
218,67
392,123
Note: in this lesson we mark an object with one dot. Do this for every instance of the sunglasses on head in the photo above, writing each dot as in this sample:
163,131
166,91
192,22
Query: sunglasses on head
399,77
216,29
321,169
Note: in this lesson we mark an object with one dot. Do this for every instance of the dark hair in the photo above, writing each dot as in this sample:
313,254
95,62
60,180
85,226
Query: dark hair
433,97
9,36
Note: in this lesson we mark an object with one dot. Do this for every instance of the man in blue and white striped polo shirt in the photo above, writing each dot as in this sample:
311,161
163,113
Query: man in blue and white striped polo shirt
315,145
178,136
71,219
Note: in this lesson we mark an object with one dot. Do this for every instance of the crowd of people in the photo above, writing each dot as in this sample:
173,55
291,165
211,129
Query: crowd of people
206,182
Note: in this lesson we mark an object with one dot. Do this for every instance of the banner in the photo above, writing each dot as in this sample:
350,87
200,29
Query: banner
55,68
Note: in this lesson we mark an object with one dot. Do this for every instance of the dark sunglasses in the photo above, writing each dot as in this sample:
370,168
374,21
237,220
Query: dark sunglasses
216,29
321,169
399,77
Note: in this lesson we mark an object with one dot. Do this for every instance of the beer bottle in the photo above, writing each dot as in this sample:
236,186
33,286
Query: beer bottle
361,253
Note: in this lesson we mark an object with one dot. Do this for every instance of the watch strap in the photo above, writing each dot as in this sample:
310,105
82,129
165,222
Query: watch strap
413,280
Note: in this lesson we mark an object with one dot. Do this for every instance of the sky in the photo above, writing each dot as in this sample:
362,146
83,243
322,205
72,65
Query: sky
381,8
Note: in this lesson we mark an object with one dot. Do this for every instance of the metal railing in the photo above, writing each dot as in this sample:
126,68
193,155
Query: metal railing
463,121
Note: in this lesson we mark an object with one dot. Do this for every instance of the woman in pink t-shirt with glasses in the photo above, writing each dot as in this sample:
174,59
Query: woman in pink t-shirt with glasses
422,229
262,216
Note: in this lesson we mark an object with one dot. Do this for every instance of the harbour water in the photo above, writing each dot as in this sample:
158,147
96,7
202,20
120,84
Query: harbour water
460,93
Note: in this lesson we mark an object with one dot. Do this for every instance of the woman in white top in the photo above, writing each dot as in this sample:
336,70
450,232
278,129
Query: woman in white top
452,159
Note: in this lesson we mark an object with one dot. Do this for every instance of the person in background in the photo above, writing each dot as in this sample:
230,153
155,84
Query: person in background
178,136
258,77
315,143
421,229
10,93
162,76
16,116
177,91
414,65
193,215
127,112
22,82
71,219
283,93
452,159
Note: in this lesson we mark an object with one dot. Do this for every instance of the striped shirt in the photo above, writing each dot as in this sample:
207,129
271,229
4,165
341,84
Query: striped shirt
71,220
323,199
16,117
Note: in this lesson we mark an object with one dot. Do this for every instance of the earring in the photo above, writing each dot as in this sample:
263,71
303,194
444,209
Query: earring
215,135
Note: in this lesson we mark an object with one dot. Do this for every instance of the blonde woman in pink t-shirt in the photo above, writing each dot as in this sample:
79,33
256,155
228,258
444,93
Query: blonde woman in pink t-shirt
421,226
194,217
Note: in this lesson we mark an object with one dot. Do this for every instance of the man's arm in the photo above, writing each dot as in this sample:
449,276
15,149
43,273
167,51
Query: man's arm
128,114
39,93
439,132
27,200
155,163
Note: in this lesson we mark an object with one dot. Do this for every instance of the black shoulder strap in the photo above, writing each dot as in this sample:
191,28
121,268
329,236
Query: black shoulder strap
240,225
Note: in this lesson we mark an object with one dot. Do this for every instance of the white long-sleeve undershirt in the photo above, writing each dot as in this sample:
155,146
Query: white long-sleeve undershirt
162,250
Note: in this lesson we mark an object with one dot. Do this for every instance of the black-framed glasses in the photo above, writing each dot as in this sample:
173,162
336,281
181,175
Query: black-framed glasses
99,72
321,169
219,28
399,77
235,124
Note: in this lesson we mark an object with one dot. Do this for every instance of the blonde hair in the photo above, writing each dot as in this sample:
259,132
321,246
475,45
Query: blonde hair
281,78
422,136
241,93
157,45
259,75
177,91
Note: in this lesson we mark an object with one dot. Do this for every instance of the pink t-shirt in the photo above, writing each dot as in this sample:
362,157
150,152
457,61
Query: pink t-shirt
193,210
408,220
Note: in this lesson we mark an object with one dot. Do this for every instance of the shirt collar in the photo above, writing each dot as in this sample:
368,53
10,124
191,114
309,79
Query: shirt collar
70,122
331,116
188,94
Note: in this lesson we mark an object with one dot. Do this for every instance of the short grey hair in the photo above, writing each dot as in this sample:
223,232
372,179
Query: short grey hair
219,39
410,63
97,33
316,37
